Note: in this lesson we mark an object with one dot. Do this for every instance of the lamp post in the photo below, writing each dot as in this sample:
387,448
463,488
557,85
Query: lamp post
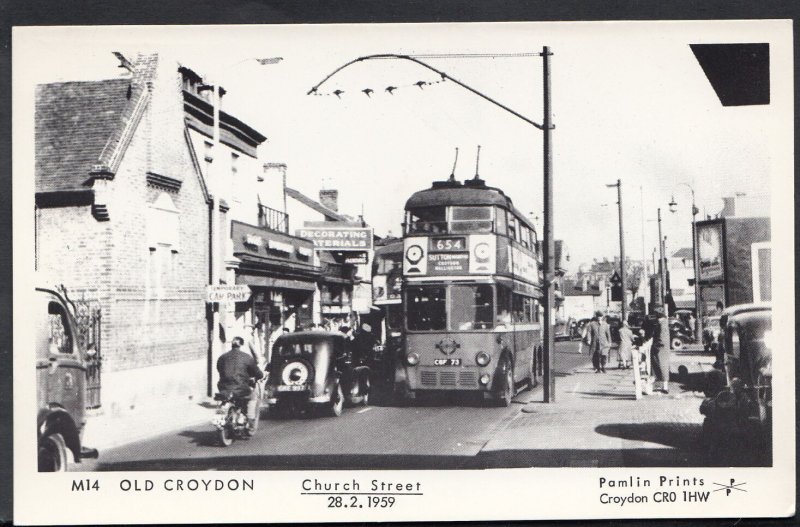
549,246
618,184
673,207
216,239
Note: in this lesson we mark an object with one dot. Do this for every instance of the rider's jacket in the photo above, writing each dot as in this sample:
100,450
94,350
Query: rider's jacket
236,368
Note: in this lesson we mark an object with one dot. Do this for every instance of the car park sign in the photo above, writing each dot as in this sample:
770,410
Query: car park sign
227,293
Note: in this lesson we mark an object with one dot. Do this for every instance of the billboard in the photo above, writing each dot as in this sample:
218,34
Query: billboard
709,248
338,238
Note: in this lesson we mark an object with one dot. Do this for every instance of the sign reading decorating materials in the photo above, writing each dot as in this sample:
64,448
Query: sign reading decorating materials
338,238
227,293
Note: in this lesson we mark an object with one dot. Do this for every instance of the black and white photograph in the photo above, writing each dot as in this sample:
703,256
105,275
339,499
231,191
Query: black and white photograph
404,271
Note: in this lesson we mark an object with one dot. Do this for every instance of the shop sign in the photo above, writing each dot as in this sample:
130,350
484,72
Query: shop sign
280,246
357,258
709,247
227,293
338,238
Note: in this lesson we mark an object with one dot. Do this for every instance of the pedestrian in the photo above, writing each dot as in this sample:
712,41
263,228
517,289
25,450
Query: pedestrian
660,350
625,345
598,341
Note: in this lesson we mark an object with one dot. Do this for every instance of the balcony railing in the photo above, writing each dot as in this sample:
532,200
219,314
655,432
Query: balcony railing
273,219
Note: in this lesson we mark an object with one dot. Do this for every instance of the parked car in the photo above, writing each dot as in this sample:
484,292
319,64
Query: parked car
711,330
679,334
316,370
738,423
60,384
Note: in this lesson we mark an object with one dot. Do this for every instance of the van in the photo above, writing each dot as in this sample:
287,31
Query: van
60,384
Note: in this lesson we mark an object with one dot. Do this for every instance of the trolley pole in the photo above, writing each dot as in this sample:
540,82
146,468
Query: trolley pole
549,245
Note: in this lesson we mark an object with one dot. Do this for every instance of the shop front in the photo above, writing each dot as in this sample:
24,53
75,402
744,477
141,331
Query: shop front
282,274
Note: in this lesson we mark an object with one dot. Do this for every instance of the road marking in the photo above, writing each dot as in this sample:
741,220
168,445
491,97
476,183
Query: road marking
367,409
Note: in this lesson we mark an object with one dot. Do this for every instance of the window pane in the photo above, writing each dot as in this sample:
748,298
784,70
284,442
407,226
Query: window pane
471,226
60,336
471,307
500,221
426,308
427,220
503,306
470,213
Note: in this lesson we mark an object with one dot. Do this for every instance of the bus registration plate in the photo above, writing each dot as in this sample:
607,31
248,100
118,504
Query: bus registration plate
447,362
291,387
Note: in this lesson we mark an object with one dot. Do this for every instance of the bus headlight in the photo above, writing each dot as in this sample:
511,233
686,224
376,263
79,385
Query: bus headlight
482,358
412,359
485,378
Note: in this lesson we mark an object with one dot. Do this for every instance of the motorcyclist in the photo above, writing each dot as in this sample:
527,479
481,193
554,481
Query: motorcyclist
237,375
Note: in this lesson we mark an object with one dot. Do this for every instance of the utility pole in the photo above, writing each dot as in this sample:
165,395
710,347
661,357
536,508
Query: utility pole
549,246
662,268
618,184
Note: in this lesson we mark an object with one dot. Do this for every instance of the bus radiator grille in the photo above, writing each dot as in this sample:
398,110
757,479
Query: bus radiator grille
468,378
447,378
428,377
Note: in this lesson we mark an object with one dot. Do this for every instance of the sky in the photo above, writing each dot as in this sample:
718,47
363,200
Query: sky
630,102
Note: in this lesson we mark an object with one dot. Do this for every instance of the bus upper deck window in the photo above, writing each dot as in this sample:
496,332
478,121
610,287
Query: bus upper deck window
500,226
471,219
426,220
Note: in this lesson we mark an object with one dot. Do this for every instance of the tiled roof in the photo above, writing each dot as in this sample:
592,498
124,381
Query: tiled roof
308,202
74,123
685,252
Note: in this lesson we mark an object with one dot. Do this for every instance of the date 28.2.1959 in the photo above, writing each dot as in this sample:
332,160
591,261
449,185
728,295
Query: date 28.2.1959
359,502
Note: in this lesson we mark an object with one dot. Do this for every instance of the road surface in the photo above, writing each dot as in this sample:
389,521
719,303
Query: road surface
434,434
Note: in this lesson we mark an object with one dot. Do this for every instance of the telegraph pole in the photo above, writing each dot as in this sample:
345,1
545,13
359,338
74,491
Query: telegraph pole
618,184
662,267
549,246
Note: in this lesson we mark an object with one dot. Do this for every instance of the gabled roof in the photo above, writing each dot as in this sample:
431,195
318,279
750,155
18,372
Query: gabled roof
75,121
319,207
684,252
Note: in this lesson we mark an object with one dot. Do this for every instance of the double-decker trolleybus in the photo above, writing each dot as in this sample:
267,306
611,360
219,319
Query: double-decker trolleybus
471,292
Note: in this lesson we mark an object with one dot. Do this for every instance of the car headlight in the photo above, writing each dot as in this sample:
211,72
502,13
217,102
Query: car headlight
482,358
412,359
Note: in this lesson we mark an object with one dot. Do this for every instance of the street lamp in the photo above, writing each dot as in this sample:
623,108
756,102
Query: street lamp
546,127
215,180
673,207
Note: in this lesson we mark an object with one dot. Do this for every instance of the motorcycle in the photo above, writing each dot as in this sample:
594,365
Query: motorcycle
231,418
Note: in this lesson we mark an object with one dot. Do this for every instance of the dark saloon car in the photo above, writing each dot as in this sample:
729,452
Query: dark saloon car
316,370
738,423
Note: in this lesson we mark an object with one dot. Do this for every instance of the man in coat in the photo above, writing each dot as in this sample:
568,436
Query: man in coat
660,349
598,341
237,373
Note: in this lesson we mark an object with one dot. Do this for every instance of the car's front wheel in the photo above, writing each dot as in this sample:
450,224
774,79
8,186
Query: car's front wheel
53,455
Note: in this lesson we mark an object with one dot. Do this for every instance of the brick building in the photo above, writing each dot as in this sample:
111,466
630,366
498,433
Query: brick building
122,217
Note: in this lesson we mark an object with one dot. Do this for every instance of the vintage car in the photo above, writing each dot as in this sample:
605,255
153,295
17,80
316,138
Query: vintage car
316,370
741,406
60,383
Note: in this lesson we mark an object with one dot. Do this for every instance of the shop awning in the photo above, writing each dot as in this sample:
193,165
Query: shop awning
275,283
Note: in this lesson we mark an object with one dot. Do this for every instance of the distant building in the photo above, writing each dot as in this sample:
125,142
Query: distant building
582,298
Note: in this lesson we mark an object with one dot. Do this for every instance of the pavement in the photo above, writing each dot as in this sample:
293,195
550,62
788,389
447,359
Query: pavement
595,421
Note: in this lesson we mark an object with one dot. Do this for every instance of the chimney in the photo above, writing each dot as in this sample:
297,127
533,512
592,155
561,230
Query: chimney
330,199
728,207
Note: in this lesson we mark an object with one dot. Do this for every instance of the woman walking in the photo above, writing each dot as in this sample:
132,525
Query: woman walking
625,345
